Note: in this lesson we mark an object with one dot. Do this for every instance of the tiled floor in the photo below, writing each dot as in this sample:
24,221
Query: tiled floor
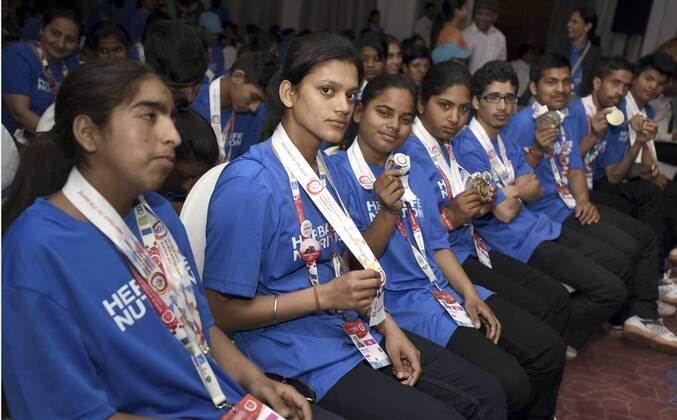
613,379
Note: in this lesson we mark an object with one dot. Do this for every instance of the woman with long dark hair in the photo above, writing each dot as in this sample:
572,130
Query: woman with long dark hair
278,237
107,315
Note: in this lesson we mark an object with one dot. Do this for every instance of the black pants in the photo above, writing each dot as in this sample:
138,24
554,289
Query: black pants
640,199
449,388
574,260
525,287
638,243
666,152
528,361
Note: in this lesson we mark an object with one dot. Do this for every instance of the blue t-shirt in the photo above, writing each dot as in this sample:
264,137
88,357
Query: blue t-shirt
80,339
253,237
613,135
577,76
528,229
22,74
520,131
408,294
460,239
618,139
248,125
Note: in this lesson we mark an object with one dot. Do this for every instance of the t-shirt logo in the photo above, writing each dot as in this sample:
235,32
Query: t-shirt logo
623,136
126,305
43,85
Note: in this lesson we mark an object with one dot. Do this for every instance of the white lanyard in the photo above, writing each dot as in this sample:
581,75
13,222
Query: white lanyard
362,173
452,178
296,166
632,109
450,172
310,248
502,167
580,59
223,135
596,149
157,266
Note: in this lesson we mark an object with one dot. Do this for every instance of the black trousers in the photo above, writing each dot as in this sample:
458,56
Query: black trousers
637,242
643,200
449,388
525,287
528,360
575,260
667,152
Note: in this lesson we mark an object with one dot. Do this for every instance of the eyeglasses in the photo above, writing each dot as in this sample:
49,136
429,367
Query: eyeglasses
300,386
495,98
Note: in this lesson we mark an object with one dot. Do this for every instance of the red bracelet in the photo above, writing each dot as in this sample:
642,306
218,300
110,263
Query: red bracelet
447,220
317,299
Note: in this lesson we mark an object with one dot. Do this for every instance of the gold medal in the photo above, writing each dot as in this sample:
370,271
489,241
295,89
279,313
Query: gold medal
481,183
637,122
615,117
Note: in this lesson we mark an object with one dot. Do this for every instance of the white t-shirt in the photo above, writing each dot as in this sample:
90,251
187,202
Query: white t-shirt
485,46
10,158
46,120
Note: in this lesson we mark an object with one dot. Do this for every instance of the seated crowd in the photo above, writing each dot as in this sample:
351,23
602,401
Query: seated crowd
397,230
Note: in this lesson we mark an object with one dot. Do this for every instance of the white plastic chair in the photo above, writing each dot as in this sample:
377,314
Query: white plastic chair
194,213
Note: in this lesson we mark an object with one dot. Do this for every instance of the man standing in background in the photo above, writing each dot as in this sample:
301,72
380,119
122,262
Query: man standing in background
483,38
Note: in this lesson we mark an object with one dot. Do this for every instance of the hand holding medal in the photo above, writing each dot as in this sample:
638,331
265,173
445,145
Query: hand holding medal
548,130
389,191
481,184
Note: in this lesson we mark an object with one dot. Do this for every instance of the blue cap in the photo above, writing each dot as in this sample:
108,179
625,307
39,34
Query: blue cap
211,21
448,51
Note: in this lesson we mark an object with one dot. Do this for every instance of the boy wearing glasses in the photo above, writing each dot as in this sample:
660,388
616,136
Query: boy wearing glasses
531,237
550,140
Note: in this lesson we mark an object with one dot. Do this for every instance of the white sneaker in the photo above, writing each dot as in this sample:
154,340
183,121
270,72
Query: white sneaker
571,353
667,290
650,332
665,310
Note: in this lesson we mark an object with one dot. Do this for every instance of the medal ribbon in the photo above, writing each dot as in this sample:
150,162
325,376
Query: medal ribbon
501,167
159,269
596,149
311,263
451,175
296,166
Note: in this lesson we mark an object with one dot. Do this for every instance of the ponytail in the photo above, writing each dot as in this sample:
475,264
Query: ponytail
43,169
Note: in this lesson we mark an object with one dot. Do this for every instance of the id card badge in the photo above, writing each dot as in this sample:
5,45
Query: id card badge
566,196
249,408
453,308
365,343
481,248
